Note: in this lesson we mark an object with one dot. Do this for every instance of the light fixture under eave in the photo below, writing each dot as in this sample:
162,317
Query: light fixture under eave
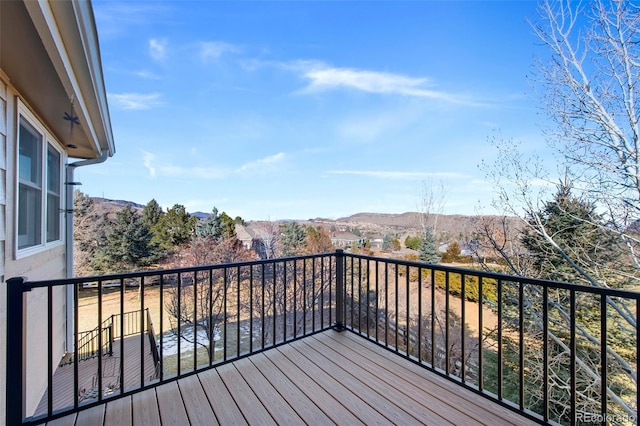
71,146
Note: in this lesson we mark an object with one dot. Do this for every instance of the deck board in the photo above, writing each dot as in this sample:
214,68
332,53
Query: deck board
247,401
315,394
145,409
277,406
342,390
118,412
170,402
375,380
196,403
310,413
224,407
411,390
327,378
446,393
92,416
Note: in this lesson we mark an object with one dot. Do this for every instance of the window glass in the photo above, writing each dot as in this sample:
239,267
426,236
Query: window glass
53,194
30,186
39,187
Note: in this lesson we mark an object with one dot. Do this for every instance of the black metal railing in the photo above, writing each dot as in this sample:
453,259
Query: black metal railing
88,346
187,319
544,349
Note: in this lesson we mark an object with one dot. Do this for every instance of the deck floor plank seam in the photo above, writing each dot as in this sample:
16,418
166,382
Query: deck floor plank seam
399,378
327,378
254,412
144,408
224,406
170,403
118,412
271,399
310,413
350,363
327,401
473,404
194,398
356,402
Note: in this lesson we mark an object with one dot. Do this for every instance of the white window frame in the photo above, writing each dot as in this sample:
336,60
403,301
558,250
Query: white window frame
48,141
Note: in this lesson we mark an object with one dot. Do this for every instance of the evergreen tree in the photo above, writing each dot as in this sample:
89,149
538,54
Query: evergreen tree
90,228
292,239
428,249
218,226
175,227
413,242
387,243
151,213
578,232
210,227
127,245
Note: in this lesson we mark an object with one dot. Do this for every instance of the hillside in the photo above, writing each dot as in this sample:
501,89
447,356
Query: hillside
401,224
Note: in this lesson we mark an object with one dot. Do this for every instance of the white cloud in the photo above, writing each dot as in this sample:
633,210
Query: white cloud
398,175
135,101
328,78
214,49
147,75
158,49
260,166
147,160
323,77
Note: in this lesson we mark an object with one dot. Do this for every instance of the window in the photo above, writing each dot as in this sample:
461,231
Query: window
39,187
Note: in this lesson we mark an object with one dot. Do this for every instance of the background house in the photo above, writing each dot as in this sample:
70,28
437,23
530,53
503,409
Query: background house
53,108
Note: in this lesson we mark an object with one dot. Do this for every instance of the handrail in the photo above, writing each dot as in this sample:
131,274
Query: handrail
504,337
152,339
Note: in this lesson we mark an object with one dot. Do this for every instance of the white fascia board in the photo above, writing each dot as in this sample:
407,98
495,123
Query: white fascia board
89,35
42,14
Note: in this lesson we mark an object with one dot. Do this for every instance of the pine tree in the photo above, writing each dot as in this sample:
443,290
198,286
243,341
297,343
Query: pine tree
428,251
175,227
127,246
151,213
293,237
218,226
578,230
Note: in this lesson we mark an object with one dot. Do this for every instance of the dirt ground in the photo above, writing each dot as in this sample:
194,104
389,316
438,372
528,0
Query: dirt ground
134,301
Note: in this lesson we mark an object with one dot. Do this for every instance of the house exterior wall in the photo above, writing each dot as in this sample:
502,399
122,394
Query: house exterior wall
48,263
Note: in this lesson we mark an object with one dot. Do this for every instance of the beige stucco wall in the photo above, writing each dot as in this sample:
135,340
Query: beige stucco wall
45,264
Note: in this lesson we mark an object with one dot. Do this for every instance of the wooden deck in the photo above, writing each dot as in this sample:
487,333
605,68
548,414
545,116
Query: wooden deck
328,378
88,372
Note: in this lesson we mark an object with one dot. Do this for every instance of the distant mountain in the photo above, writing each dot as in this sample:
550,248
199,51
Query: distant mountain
200,215
401,224
116,203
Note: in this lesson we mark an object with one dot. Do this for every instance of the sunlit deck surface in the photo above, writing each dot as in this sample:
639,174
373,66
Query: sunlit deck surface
327,378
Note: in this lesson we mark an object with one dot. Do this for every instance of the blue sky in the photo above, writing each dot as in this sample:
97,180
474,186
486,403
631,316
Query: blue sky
303,109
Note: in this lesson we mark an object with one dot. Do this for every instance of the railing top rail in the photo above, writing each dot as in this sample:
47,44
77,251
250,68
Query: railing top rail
28,285
607,291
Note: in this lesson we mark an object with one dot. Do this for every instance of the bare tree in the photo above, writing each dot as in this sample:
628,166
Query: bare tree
287,298
431,201
590,92
200,300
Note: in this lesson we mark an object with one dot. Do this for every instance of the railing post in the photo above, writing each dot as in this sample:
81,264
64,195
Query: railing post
340,289
110,329
15,386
